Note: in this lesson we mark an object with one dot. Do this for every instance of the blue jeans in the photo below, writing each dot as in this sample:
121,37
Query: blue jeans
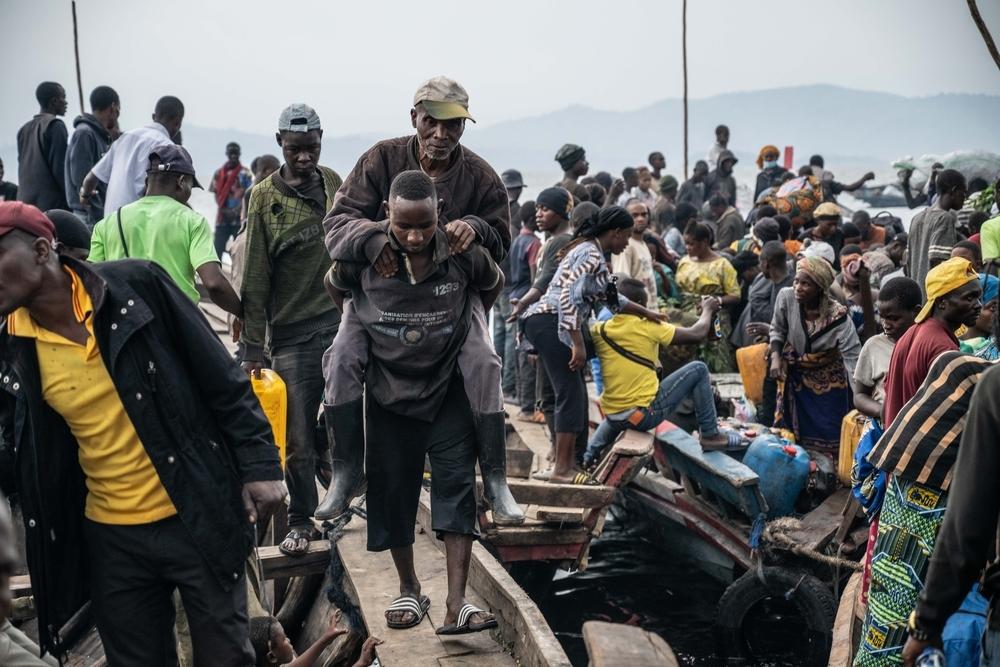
691,379
505,343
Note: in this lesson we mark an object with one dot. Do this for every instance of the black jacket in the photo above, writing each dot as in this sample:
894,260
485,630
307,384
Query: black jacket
88,144
768,177
193,410
41,160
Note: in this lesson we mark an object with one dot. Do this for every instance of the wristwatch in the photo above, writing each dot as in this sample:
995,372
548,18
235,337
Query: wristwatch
915,631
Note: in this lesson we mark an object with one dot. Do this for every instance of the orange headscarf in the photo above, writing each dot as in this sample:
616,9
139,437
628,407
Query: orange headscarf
766,149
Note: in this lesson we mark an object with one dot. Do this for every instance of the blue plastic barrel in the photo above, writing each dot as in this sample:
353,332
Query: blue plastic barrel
783,469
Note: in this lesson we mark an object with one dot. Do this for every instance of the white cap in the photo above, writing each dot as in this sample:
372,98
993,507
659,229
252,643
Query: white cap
821,249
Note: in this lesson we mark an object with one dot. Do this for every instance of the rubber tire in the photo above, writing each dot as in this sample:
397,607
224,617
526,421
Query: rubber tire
813,599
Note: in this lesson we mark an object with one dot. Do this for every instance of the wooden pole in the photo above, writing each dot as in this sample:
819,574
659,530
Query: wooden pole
991,46
684,46
76,50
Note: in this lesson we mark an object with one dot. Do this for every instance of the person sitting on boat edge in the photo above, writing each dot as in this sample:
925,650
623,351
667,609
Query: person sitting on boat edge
628,347
474,212
554,325
417,322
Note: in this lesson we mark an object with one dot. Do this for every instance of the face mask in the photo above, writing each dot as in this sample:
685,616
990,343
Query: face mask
769,164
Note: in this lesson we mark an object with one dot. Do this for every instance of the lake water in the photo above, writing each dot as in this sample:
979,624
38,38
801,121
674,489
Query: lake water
629,580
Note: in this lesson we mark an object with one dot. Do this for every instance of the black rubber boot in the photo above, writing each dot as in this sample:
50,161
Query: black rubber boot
345,428
491,444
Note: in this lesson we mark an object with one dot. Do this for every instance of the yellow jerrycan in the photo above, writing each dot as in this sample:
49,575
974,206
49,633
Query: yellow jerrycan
270,391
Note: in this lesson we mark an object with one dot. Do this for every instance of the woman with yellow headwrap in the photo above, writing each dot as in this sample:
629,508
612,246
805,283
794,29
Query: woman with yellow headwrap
814,349
771,172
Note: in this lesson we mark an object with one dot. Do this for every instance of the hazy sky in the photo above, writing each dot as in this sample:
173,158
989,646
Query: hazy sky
236,64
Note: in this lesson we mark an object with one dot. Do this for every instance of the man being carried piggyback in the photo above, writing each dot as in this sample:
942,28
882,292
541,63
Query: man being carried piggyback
417,321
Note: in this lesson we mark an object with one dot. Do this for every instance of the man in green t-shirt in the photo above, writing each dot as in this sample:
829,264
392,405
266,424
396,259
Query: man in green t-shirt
161,227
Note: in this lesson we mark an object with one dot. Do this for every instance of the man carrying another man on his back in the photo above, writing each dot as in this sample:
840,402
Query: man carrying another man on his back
123,167
282,293
628,347
161,227
474,210
90,141
138,441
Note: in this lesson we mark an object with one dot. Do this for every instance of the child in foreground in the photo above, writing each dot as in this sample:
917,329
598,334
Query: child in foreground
272,646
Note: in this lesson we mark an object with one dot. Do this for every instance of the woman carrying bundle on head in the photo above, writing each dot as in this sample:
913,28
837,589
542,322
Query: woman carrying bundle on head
555,326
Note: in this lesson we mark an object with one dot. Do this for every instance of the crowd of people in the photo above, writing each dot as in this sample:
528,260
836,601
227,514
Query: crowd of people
371,295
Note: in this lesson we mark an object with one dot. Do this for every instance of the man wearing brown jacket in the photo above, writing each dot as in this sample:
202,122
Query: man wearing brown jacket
473,208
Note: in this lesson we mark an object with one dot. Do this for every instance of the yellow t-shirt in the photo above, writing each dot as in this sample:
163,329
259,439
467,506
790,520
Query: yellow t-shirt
627,384
713,278
122,484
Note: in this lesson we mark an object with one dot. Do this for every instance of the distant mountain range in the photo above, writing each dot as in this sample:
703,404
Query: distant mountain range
855,130
849,126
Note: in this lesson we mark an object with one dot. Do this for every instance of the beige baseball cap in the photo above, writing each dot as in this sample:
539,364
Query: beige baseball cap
443,98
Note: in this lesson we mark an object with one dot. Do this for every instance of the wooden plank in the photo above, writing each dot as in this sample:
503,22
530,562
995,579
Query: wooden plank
843,645
277,565
344,648
717,463
516,553
374,581
472,660
634,443
298,600
537,492
521,622
548,514
534,436
20,586
536,535
818,527
88,652
614,644
520,458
